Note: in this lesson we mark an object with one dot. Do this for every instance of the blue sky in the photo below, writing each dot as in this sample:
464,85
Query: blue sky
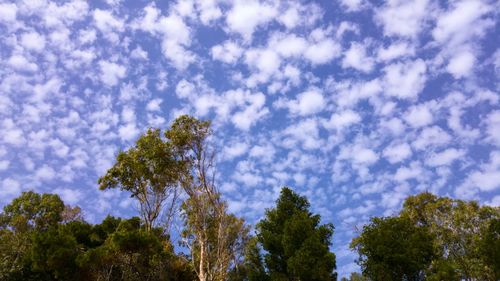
355,104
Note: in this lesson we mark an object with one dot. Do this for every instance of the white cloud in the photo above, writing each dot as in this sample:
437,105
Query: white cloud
154,105
486,178
364,156
184,89
322,52
397,152
229,52
128,132
106,22
356,58
4,165
445,157
414,171
111,72
419,116
12,134
305,132
139,53
461,64
493,128
245,16
149,19
19,62
431,136
341,120
175,35
10,187
395,50
235,150
290,18
494,202
254,111
180,57
69,196
184,8
290,45
352,5
405,80
307,103
359,155
458,23
59,16
45,173
403,17
209,11
264,153
33,41
266,61
351,93
8,12
394,125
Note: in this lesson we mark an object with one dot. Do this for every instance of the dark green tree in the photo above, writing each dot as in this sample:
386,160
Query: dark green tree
130,252
296,245
54,252
394,249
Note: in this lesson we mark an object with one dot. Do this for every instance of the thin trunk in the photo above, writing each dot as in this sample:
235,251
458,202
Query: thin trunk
202,274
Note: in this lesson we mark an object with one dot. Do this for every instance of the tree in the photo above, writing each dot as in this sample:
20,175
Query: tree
457,227
394,249
355,276
54,252
296,245
150,172
214,237
25,215
32,211
42,239
490,247
251,268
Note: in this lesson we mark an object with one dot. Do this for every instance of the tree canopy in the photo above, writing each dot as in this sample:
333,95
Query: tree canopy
433,238
296,244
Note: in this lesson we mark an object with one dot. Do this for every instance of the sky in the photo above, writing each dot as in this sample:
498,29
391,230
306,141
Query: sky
355,104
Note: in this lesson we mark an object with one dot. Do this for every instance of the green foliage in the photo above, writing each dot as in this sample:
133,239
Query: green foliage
296,245
254,264
456,230
394,249
131,252
188,134
25,216
457,227
54,252
149,171
32,211
37,244
490,247
355,276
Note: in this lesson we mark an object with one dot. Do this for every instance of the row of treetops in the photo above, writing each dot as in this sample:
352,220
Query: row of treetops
171,175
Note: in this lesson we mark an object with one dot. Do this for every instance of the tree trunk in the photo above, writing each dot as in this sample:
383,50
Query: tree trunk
202,274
